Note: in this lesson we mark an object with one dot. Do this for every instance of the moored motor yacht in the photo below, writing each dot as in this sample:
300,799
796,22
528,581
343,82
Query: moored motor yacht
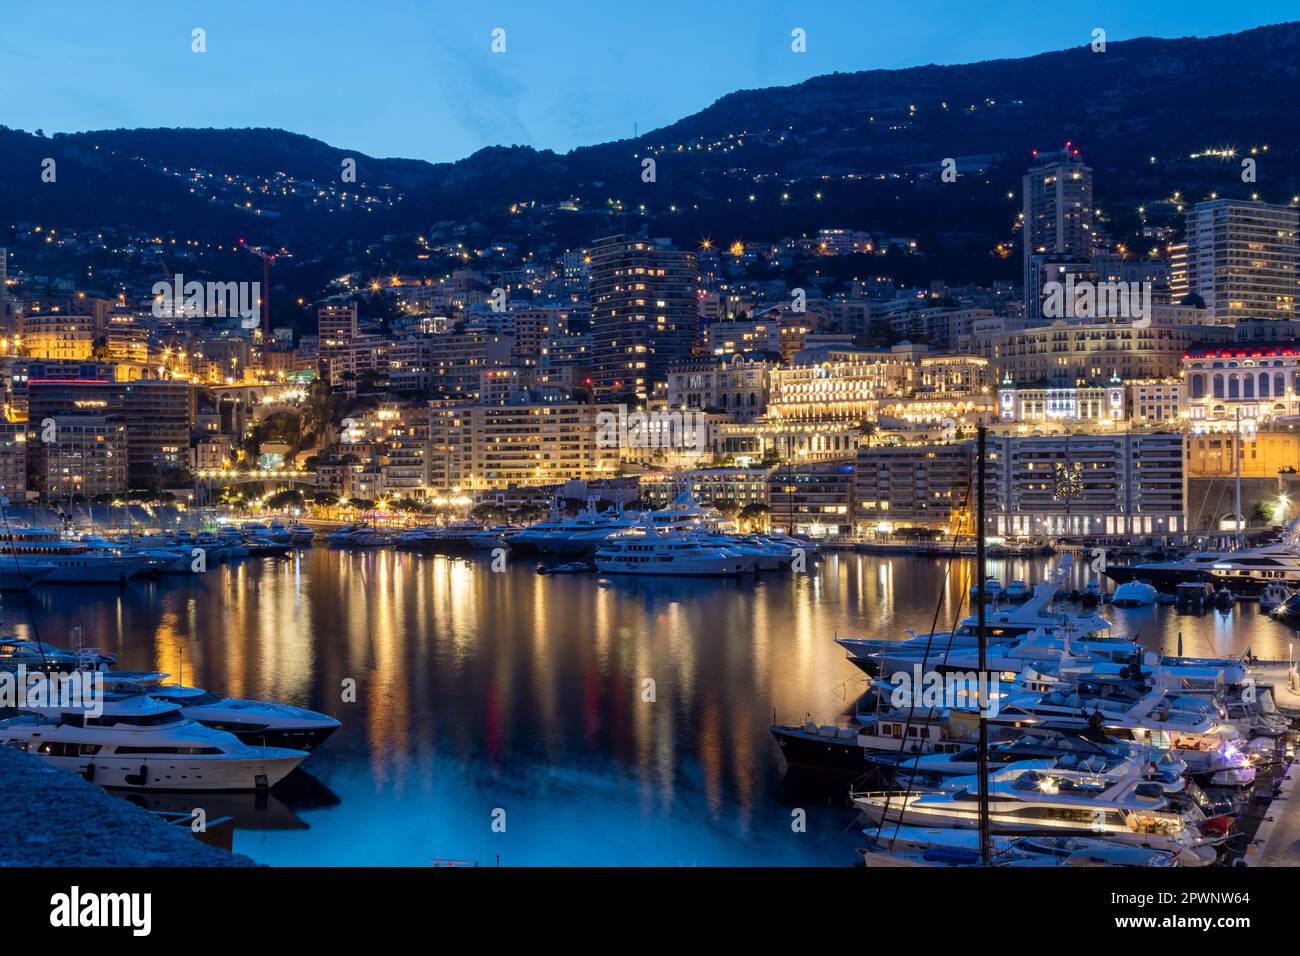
74,562
1004,625
489,539
992,590
24,575
891,732
257,722
1274,595
669,553
137,742
1247,573
1166,575
1131,810
301,535
1064,749
944,847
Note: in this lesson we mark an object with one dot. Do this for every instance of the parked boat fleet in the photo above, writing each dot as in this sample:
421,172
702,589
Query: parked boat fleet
1100,753
139,733
684,538
38,556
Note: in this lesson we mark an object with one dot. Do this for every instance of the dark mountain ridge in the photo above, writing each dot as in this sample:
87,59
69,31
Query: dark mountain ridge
848,149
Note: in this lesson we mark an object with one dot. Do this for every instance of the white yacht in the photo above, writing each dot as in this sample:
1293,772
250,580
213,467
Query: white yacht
585,533
257,722
141,743
1247,573
1066,751
74,562
1036,649
1193,730
668,552
531,539
1131,810
23,575
300,535
942,847
358,536
488,539
992,590
767,557
1274,596
341,535
1004,626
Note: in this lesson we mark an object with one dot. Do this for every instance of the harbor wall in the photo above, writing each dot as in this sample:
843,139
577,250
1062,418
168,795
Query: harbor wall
51,817
1210,499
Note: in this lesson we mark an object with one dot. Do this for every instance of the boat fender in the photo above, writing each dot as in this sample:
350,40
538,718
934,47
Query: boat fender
89,773
138,779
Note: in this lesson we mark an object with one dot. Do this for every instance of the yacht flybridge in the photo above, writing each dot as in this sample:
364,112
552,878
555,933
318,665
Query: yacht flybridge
137,742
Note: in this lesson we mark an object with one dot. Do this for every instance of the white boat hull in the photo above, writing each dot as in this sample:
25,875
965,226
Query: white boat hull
170,772
691,567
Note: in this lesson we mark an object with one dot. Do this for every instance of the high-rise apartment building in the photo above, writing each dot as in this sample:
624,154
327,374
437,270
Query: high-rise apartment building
1058,224
643,311
1241,259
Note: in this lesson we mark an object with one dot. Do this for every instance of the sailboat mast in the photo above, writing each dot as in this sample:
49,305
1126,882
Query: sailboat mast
980,567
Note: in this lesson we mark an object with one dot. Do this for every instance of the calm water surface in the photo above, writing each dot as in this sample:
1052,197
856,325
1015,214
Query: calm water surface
479,691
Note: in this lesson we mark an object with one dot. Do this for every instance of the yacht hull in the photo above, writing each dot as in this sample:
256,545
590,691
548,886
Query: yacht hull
149,772
710,568
809,752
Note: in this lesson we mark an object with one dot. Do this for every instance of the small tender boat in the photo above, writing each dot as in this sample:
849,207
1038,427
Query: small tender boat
1017,591
1273,596
569,567
1224,599
992,590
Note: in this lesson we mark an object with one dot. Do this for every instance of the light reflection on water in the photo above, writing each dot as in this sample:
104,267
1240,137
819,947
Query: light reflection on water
479,691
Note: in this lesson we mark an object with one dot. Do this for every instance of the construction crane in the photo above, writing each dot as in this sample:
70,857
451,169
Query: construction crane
267,258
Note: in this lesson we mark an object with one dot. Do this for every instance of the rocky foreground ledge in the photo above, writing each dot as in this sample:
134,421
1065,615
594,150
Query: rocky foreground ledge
51,817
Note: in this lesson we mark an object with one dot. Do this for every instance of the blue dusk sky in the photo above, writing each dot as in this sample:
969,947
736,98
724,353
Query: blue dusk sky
419,80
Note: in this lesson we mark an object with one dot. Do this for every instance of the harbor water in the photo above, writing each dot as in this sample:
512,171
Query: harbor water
513,718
